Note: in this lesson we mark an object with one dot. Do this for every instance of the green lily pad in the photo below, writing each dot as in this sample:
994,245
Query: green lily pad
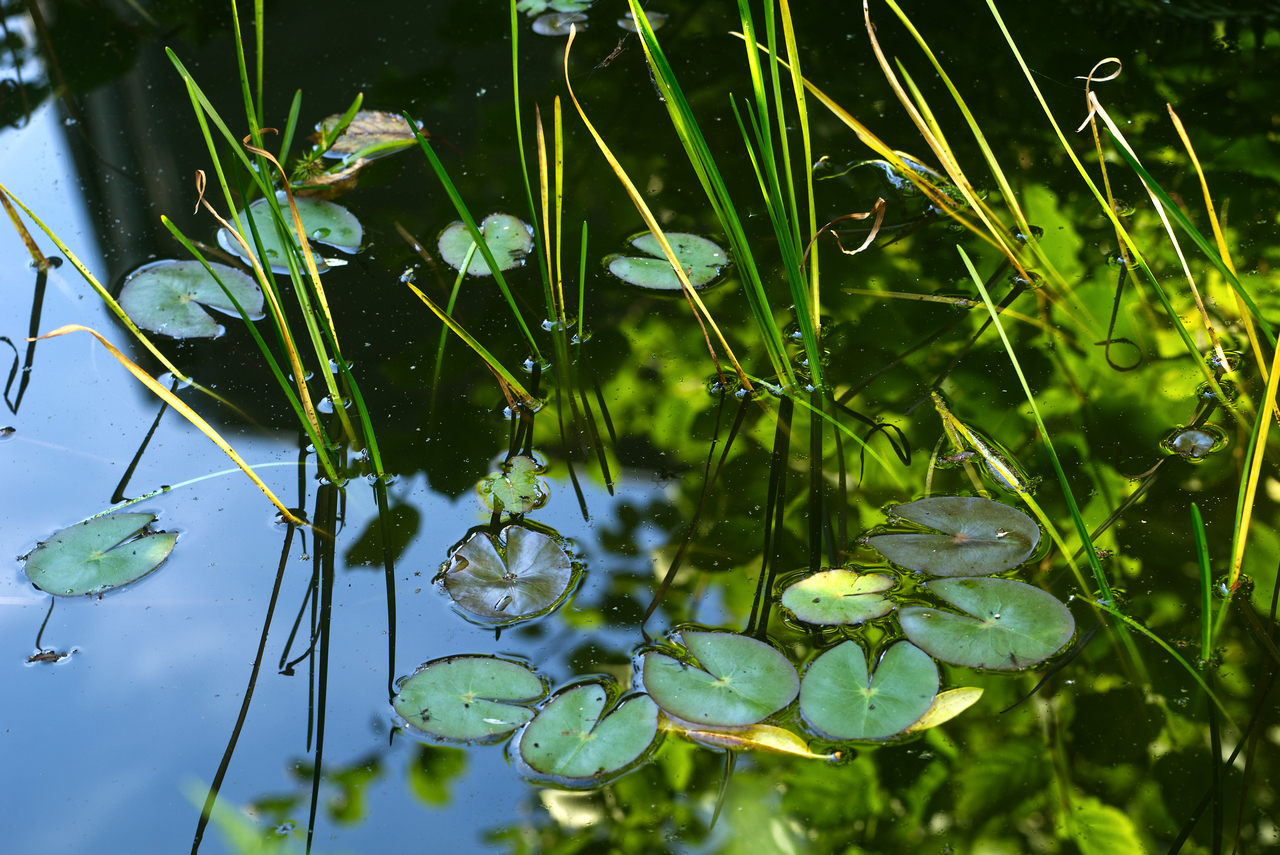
734,680
835,597
324,222
1008,625
507,237
99,554
701,259
371,134
537,7
980,537
572,739
468,698
515,489
529,577
839,698
163,298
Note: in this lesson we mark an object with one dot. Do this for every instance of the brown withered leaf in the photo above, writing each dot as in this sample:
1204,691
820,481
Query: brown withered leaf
371,134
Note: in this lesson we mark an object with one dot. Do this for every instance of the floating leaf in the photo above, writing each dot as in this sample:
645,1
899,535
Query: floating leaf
656,21
99,554
839,699
558,23
324,222
507,238
835,597
515,489
946,706
163,297
980,537
761,737
571,738
701,259
537,7
1013,625
468,698
371,134
735,680
527,579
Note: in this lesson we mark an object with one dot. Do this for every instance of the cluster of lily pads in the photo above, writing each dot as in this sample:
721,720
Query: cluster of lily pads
727,690
566,12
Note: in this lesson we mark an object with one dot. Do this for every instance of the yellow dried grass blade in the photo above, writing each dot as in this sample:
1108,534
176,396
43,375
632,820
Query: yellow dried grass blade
647,215
188,413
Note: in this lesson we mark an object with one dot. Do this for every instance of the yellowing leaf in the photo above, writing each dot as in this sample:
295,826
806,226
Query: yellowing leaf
761,737
946,706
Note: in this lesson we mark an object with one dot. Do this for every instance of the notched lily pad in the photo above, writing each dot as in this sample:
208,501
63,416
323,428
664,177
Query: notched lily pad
515,488
526,576
835,597
734,680
1007,625
468,698
979,537
839,698
573,742
371,134
324,222
701,259
99,554
507,237
165,298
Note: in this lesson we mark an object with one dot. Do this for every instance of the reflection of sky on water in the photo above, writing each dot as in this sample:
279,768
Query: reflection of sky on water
97,748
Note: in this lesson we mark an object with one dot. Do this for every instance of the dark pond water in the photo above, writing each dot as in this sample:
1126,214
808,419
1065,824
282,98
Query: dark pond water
112,747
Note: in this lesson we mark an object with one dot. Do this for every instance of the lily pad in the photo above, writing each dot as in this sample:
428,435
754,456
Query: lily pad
840,699
507,237
537,7
99,554
515,489
528,578
980,537
324,222
558,23
734,681
571,738
371,134
468,698
835,597
701,259
163,298
1008,624
656,21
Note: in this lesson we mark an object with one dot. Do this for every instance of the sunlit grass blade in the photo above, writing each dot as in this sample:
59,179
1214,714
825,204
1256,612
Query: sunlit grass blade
476,236
1195,674
495,366
704,165
644,211
1206,586
540,240
1082,531
181,407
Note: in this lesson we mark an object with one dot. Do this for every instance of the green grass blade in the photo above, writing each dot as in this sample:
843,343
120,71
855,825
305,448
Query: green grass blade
1206,587
290,127
476,236
1081,530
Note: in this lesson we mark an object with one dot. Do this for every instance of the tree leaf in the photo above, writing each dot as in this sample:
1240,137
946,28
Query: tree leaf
515,489
528,578
701,259
1007,624
1104,830
99,554
572,738
506,236
980,537
162,297
835,597
838,698
324,222
734,681
468,698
